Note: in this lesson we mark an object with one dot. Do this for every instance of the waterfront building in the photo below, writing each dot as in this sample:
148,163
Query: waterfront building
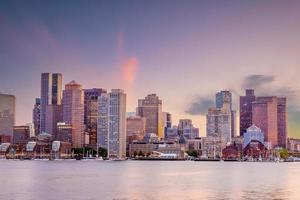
256,150
151,109
212,146
7,115
60,150
64,132
5,139
246,110
21,134
151,137
112,123
51,94
293,145
253,133
73,112
91,112
264,116
36,116
152,150
136,128
231,152
194,144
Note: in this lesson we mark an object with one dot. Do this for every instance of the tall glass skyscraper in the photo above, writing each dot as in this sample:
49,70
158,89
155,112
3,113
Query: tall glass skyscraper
246,110
51,92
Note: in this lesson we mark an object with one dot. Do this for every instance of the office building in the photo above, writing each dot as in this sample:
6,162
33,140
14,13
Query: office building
246,110
91,112
53,116
282,121
7,114
187,129
51,93
73,111
265,116
221,98
151,109
167,121
112,123
36,116
64,132
218,120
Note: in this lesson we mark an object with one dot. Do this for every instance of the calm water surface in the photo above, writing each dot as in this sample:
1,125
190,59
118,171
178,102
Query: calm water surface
146,180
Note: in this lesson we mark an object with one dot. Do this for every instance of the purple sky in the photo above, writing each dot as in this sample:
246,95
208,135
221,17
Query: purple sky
185,51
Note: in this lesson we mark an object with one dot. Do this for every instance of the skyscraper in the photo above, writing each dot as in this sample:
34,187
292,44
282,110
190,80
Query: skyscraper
187,129
91,112
73,111
51,91
112,123
53,116
265,116
221,98
36,116
151,109
102,127
282,122
246,110
218,120
167,122
7,114
218,123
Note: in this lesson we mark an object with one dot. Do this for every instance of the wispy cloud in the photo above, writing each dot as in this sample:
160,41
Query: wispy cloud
257,80
199,106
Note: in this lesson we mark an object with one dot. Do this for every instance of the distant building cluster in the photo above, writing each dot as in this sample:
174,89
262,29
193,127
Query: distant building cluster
74,117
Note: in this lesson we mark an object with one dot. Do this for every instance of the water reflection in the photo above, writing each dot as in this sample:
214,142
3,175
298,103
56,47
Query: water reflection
132,180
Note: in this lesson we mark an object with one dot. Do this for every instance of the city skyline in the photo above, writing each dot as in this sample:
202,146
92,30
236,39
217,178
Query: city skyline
181,55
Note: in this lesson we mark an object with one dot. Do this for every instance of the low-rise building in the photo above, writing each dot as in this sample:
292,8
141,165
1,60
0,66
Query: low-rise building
21,134
147,149
212,146
293,145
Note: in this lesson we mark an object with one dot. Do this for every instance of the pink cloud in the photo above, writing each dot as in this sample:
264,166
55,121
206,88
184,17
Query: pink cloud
129,69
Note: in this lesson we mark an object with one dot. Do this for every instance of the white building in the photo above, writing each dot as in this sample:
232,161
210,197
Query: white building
112,123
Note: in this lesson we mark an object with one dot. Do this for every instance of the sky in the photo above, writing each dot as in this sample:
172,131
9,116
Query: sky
184,51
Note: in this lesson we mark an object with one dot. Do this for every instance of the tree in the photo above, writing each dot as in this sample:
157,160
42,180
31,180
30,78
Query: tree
102,152
135,153
192,153
141,154
284,154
